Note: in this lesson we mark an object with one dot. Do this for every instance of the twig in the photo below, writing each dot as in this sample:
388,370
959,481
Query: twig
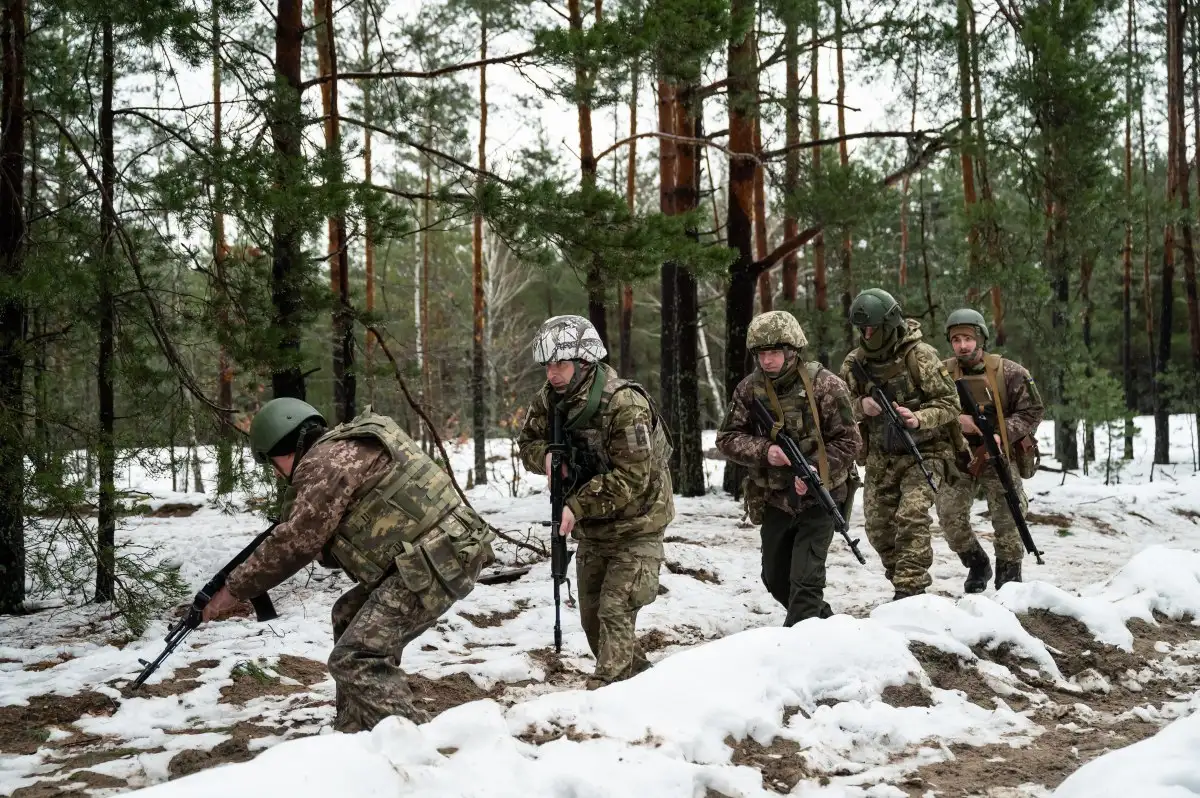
404,73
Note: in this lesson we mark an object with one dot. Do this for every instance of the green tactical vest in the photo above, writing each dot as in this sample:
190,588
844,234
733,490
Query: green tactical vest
799,421
409,518
898,377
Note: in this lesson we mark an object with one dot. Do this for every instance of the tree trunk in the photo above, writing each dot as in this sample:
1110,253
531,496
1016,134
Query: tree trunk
904,190
597,311
966,145
1160,419
820,281
631,201
687,199
1127,249
739,299
669,301
479,375
12,309
227,435
1189,252
1162,435
1086,267
765,290
844,157
339,254
287,265
422,289
991,231
791,165
106,512
368,92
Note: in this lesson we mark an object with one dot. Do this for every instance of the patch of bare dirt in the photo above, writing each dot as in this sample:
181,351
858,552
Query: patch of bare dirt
46,665
540,737
496,618
655,640
98,781
184,681
174,510
235,749
435,696
1073,647
42,789
556,671
1185,512
1169,631
23,729
304,670
251,681
907,695
950,672
1050,519
780,763
98,756
701,574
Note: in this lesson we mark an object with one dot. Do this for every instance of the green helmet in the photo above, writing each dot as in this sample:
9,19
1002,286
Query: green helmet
276,421
774,330
968,317
875,307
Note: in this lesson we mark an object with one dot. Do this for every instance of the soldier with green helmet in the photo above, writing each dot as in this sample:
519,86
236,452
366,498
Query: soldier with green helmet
814,407
898,497
364,498
619,494
1006,393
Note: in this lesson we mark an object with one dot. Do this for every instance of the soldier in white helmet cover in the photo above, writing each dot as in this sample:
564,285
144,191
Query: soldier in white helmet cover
814,406
618,488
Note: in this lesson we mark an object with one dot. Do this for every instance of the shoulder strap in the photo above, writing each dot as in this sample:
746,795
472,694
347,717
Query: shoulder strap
955,369
822,458
991,366
595,394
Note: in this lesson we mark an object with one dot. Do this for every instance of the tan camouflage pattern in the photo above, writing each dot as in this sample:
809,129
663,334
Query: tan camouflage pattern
568,338
741,440
775,329
613,584
954,514
1023,407
323,488
896,508
632,500
371,630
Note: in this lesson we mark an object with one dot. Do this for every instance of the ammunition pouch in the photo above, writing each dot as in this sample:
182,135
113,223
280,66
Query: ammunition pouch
1027,456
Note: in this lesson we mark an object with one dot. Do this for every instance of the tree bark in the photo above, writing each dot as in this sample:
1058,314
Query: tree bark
631,201
844,158
687,199
739,299
766,291
820,280
226,436
12,309
1162,434
791,164
287,266
1086,268
106,512
904,190
597,310
368,224
990,228
1189,252
966,147
669,300
1127,249
479,371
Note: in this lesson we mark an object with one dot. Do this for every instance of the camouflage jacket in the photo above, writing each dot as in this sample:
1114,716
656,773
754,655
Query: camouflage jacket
1020,400
915,377
743,440
629,498
325,482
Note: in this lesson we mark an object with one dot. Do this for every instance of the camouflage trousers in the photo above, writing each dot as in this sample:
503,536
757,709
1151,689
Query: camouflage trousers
370,630
794,549
613,584
896,507
954,514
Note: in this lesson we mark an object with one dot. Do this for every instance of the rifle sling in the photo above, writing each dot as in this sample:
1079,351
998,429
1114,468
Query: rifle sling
777,411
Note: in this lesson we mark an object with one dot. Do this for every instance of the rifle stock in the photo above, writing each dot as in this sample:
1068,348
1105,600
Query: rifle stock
897,424
988,433
264,610
804,470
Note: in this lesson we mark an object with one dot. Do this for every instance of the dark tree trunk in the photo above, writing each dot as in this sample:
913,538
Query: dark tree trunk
227,435
106,512
687,199
669,339
479,357
1162,435
12,309
287,265
791,166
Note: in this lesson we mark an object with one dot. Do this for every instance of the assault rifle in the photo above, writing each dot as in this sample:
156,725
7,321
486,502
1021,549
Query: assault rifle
988,432
263,608
804,470
560,557
884,401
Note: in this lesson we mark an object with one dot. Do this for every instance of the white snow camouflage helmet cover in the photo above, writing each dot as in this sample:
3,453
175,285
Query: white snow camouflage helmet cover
568,338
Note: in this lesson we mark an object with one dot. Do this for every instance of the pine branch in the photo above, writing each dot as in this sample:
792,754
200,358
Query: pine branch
405,73
703,142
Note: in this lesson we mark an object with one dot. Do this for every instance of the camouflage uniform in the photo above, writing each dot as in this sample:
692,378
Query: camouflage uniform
622,502
365,499
1022,409
897,499
795,530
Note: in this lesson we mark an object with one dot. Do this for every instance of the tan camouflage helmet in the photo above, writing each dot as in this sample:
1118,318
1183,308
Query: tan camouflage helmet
568,338
775,330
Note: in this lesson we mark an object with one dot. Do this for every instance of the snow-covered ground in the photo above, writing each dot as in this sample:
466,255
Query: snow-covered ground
1002,694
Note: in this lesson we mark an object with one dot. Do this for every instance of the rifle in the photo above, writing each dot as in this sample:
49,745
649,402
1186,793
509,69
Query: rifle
884,401
560,557
988,432
263,608
804,470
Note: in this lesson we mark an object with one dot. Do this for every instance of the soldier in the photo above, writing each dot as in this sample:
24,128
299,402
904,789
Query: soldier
898,497
1004,390
618,487
814,405
363,497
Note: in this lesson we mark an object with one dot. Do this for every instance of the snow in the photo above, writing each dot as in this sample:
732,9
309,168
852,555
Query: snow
728,671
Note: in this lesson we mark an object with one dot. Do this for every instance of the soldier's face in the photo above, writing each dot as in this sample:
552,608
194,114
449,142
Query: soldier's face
966,348
559,374
284,464
771,360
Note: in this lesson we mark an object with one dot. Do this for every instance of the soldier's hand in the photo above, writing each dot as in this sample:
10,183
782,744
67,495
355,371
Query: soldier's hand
801,487
568,522
776,457
968,424
907,416
870,407
221,601
546,468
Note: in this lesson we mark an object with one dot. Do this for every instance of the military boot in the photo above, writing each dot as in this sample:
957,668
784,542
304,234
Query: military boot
903,594
1007,572
979,568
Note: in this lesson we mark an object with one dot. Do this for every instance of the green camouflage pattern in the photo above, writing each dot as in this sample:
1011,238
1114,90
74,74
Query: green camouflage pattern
741,440
1022,402
613,584
896,507
774,330
630,495
954,514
